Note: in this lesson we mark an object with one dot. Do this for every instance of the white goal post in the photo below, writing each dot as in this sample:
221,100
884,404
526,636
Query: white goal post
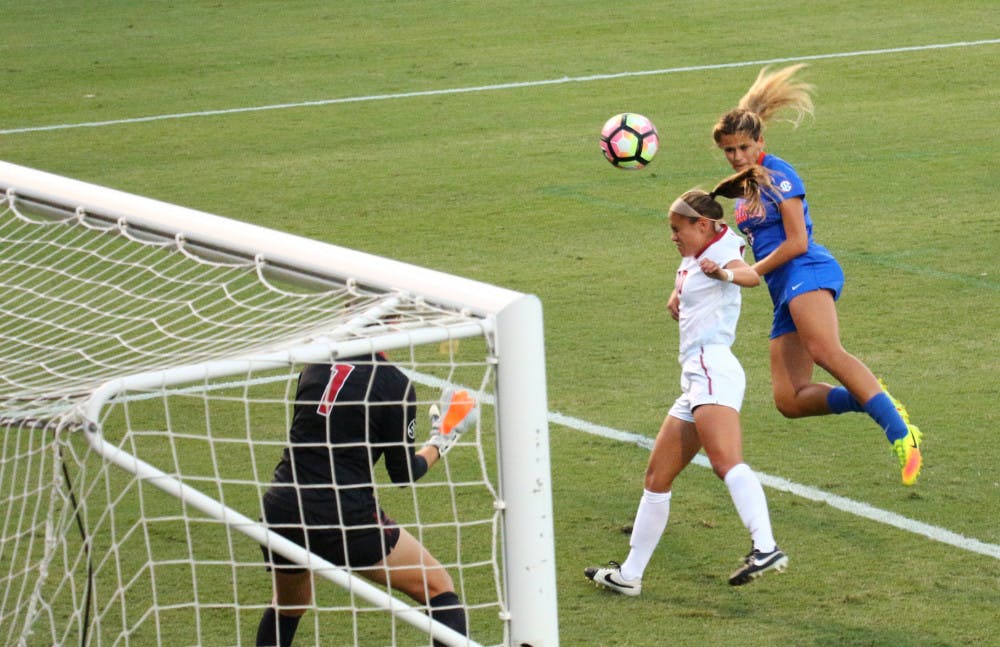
147,378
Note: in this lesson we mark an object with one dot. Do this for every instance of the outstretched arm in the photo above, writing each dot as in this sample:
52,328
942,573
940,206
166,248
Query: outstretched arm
735,271
455,414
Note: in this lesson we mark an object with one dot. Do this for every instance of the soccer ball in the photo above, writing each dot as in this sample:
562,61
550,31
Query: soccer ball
629,141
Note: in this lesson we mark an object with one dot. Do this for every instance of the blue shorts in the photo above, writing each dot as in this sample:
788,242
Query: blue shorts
801,275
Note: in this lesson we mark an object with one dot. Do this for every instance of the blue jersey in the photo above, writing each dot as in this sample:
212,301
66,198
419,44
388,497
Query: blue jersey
766,233
816,269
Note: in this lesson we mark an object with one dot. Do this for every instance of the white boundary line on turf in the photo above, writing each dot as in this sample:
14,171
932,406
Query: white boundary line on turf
843,504
501,86
776,482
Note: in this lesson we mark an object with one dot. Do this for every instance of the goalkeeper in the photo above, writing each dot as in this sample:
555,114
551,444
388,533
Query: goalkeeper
347,416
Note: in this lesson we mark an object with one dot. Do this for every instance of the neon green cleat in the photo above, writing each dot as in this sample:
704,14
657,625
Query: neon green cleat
899,405
907,451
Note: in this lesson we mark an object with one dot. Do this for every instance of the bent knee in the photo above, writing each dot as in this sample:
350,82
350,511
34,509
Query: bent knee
721,469
789,407
658,479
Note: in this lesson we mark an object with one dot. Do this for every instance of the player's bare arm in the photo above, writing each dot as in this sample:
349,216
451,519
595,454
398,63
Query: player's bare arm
735,271
674,306
796,238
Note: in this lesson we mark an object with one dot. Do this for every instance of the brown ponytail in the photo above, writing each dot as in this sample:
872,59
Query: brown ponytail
748,184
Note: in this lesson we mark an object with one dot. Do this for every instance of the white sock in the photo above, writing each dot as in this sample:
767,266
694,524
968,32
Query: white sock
650,522
751,505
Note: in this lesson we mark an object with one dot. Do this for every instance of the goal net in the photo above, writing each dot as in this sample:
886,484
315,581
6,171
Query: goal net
148,371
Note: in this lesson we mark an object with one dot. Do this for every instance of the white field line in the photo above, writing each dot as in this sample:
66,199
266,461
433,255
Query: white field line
776,482
502,86
843,504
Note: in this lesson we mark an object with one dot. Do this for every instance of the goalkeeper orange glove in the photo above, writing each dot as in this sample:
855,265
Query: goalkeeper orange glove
457,412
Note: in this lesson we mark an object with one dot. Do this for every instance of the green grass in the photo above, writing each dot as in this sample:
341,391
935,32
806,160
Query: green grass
508,186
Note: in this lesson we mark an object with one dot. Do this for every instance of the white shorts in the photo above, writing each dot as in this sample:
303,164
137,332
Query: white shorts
709,375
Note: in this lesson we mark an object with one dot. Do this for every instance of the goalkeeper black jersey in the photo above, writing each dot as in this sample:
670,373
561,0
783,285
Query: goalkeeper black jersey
347,416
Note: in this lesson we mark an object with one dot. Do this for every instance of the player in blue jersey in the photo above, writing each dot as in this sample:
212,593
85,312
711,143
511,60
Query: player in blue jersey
803,278
706,303
347,416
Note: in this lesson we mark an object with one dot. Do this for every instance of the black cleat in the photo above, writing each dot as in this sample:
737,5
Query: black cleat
756,564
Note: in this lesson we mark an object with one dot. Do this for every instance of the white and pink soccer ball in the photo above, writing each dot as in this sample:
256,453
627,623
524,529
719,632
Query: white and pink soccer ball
629,141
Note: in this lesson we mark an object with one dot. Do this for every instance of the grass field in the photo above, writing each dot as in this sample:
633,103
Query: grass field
462,136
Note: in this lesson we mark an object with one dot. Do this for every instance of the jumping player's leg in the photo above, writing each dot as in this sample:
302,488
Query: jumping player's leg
815,318
817,340
795,393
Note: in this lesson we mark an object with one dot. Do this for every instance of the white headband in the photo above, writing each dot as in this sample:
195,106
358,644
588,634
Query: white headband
683,208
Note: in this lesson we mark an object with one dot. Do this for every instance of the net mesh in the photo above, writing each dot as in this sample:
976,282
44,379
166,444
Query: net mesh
86,301
90,553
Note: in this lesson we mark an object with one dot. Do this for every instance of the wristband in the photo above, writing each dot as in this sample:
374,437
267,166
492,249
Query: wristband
729,275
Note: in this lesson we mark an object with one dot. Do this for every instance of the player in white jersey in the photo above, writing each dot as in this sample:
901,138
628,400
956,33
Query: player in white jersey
708,310
706,303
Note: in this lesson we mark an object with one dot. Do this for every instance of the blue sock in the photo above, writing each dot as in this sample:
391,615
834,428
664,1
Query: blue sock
840,400
883,411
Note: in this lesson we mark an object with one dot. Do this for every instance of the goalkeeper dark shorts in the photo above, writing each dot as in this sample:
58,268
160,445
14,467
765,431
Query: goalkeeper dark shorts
351,546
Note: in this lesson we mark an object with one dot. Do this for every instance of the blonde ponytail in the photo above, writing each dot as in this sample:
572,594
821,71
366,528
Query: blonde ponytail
770,94
749,184
776,91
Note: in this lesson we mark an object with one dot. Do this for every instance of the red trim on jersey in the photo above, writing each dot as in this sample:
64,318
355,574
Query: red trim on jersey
760,158
679,282
718,236
701,358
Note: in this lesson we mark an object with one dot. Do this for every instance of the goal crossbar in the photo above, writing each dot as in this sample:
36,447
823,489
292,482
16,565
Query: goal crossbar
297,255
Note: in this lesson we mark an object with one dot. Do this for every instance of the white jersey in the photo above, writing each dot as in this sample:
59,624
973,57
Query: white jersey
709,308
